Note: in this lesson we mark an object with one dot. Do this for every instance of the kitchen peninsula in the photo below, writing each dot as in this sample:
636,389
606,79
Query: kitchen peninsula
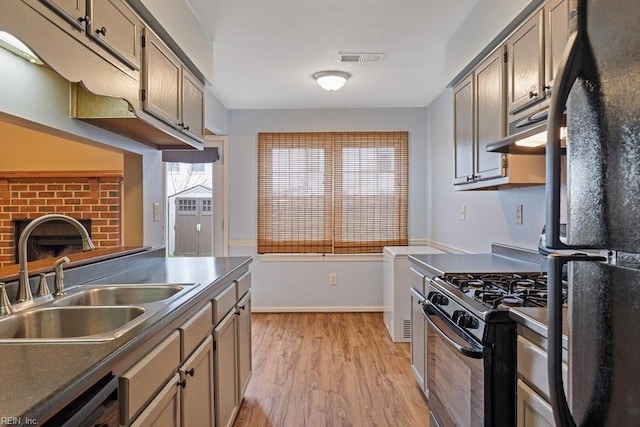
43,378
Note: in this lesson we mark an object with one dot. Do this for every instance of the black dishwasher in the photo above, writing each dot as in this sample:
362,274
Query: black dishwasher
96,407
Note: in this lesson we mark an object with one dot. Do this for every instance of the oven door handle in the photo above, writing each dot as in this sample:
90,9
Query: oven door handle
473,352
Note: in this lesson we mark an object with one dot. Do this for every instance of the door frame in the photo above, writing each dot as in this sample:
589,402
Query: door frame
220,195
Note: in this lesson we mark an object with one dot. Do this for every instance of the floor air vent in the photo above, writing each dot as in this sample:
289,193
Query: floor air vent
406,329
362,58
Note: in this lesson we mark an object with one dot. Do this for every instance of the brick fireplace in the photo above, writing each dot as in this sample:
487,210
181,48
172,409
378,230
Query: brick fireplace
90,195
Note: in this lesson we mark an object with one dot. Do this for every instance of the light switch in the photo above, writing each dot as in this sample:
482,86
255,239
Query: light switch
156,212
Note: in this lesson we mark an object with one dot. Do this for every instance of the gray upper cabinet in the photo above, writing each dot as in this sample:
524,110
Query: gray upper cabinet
463,131
161,80
192,105
117,28
556,33
479,103
170,92
490,115
525,65
72,11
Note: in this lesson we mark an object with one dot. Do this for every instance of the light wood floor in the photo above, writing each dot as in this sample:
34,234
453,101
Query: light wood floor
329,369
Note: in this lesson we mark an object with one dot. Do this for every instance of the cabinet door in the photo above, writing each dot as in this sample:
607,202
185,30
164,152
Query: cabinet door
244,344
417,341
117,28
226,370
525,63
463,131
556,33
192,106
161,82
164,409
532,410
490,114
197,392
73,11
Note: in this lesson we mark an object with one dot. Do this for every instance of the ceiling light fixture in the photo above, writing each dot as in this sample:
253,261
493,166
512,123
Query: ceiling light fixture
331,80
14,45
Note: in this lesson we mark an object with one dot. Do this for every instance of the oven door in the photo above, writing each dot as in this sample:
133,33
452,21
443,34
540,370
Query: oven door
455,372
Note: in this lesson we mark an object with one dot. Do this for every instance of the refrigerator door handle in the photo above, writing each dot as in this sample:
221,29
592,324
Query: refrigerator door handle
577,61
555,262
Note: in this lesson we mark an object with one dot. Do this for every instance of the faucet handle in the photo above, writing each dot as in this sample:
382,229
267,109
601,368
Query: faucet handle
59,283
43,286
5,304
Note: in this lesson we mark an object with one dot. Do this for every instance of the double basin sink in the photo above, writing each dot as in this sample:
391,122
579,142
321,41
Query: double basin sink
90,313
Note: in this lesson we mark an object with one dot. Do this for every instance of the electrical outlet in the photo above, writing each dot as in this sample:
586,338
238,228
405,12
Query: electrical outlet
463,213
519,214
333,279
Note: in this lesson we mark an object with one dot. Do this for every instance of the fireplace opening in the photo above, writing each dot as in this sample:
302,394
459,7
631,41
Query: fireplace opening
50,239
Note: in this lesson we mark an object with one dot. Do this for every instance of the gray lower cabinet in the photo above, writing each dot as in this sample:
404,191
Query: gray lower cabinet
164,409
197,394
225,336
418,343
243,308
533,408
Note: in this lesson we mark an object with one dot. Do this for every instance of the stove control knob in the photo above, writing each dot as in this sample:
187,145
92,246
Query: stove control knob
438,299
464,319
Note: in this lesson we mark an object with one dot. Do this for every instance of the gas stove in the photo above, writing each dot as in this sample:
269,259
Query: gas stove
502,290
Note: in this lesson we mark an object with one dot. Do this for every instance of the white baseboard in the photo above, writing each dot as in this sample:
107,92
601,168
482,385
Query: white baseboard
338,309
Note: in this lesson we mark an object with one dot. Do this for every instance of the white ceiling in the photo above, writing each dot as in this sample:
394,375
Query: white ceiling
265,51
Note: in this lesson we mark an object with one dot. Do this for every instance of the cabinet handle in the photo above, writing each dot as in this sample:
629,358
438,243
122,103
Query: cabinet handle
191,372
532,94
470,178
102,31
182,383
241,307
546,87
84,19
180,125
185,128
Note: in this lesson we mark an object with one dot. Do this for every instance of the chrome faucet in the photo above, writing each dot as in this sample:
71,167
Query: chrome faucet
24,291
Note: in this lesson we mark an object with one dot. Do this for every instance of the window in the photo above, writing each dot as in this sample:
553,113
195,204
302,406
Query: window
173,167
332,192
197,167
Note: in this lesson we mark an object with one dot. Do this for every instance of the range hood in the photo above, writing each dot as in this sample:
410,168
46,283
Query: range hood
513,144
117,115
526,136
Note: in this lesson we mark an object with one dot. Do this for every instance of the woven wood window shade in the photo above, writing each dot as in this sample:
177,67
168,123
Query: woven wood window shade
370,191
329,192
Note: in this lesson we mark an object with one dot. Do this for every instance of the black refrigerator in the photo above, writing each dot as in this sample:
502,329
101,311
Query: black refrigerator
598,88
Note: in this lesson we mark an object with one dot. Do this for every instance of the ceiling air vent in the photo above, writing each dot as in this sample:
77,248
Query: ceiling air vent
363,58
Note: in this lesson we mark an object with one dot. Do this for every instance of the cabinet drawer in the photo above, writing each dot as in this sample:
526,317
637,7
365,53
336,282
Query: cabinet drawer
223,302
243,284
143,380
532,366
194,330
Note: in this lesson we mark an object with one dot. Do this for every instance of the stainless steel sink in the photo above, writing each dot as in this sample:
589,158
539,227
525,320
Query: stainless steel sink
95,312
120,295
68,323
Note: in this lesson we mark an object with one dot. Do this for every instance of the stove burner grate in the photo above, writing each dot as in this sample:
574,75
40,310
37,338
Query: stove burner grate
503,289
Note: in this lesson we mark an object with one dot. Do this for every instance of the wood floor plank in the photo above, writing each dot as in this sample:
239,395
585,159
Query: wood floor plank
329,369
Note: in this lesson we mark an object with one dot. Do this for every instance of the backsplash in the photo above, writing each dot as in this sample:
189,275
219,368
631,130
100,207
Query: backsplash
91,195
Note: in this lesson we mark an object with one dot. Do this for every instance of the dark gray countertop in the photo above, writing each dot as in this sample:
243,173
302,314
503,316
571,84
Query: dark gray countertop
38,380
535,319
439,264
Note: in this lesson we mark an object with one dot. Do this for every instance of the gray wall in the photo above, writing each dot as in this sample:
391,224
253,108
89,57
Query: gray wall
304,284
